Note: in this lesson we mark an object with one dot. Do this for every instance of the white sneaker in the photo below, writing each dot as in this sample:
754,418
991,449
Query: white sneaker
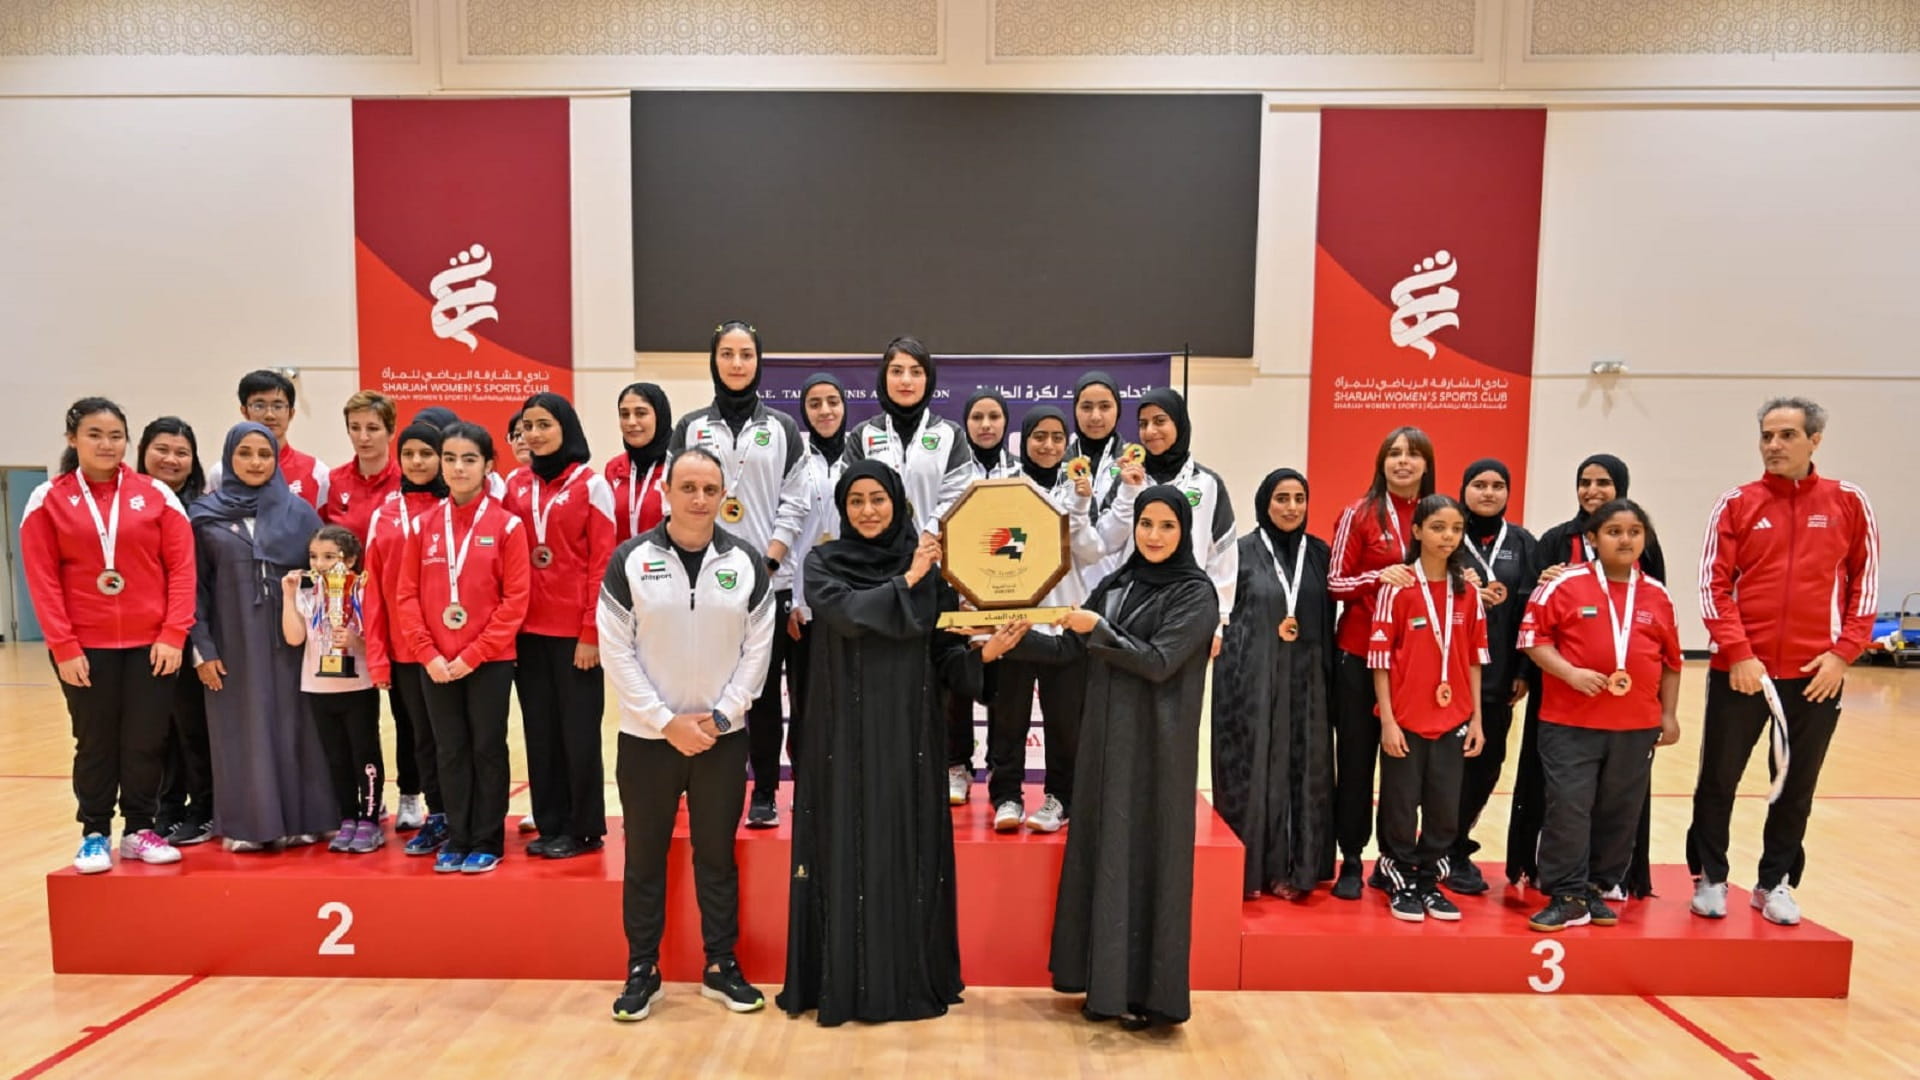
1049,818
1007,816
412,815
527,825
959,784
1617,894
1777,904
149,847
93,856
1709,900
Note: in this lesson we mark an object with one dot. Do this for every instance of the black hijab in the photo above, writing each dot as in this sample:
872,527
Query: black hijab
1046,478
1481,529
1616,469
437,415
1094,448
1562,542
645,457
1162,468
987,456
282,522
832,447
1286,543
573,439
735,406
864,563
1137,577
426,431
906,418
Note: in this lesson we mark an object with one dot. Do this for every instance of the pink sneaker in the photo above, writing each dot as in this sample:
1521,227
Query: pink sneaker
149,847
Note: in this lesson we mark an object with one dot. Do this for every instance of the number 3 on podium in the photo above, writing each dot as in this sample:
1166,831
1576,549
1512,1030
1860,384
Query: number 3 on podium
331,945
1552,976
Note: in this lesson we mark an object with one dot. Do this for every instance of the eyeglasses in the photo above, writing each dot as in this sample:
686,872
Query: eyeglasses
267,408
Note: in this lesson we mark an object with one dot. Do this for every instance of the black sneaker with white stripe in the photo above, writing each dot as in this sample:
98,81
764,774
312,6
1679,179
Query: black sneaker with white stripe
1406,904
642,990
1437,904
1565,911
730,988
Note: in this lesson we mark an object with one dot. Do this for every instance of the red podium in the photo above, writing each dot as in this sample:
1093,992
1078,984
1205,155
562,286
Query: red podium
312,912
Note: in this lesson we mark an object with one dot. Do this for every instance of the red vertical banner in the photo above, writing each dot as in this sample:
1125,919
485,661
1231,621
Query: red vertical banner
1423,293
463,254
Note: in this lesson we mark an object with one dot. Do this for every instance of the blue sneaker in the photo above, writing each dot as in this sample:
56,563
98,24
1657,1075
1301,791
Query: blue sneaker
448,862
94,855
479,863
431,837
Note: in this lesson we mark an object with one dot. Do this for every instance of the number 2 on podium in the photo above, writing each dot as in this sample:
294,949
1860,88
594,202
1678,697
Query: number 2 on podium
331,945
1552,976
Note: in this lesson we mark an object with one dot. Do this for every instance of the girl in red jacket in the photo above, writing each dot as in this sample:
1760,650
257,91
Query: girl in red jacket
568,511
1426,648
1604,637
638,474
1369,551
108,556
462,597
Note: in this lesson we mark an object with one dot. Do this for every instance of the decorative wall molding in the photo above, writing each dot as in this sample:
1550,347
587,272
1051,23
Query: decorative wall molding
206,28
1722,27
507,28
1031,28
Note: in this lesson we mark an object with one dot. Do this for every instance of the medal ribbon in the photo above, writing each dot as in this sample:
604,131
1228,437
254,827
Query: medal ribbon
1444,637
1622,628
1492,556
1290,589
455,562
540,516
109,529
635,498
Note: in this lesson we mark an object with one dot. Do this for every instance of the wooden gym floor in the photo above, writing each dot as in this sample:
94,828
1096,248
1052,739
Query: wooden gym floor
1864,846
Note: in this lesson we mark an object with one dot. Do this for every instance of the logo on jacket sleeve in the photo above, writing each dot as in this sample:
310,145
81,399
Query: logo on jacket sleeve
1589,612
727,578
1380,637
652,569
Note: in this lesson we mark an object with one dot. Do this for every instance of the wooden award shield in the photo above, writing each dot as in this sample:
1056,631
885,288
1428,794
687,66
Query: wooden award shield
1003,546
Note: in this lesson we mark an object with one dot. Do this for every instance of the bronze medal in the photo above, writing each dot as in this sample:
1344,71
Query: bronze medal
110,583
543,556
1619,683
732,510
454,617
1443,695
1289,628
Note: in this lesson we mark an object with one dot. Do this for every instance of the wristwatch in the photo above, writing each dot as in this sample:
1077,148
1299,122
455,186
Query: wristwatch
721,723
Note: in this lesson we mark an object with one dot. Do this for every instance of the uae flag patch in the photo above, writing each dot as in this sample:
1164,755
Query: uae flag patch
654,566
1589,611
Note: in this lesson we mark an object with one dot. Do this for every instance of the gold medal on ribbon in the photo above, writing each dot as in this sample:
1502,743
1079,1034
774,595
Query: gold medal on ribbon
1079,469
732,510
1134,454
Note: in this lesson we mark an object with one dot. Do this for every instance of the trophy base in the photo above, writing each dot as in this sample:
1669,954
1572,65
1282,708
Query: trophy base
988,620
336,667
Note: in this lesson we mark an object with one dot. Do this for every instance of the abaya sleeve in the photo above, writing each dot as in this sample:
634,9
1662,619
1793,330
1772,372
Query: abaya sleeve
956,661
893,610
1156,653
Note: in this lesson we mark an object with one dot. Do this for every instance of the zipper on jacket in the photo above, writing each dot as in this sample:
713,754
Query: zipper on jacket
1786,580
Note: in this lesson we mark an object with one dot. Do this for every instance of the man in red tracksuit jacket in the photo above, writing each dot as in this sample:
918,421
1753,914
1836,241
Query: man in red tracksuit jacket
1788,584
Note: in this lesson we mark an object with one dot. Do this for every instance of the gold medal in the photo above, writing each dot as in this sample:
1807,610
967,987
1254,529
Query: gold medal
454,617
1289,628
1079,469
1134,454
110,583
732,510
1619,683
1443,695
543,556
1499,592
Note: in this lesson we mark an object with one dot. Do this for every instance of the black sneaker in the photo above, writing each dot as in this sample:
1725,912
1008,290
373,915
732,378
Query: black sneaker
762,812
1407,906
566,847
1438,906
1563,912
730,988
1378,879
538,845
1600,911
189,833
642,990
1347,886
1465,878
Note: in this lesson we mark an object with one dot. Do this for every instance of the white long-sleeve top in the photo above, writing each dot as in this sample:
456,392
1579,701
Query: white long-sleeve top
1215,547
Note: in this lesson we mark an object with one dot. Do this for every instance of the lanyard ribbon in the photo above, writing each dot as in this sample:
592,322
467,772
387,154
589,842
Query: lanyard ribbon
1444,637
455,562
108,529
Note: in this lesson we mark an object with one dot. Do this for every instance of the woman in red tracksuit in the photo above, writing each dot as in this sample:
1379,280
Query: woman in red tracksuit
108,555
461,599
638,474
391,661
1369,550
568,513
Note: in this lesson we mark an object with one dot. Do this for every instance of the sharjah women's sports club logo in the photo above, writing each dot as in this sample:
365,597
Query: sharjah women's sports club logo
455,310
1009,542
1418,316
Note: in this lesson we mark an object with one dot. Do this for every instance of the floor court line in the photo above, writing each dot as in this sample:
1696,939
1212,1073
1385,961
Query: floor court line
100,1031
1745,1062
